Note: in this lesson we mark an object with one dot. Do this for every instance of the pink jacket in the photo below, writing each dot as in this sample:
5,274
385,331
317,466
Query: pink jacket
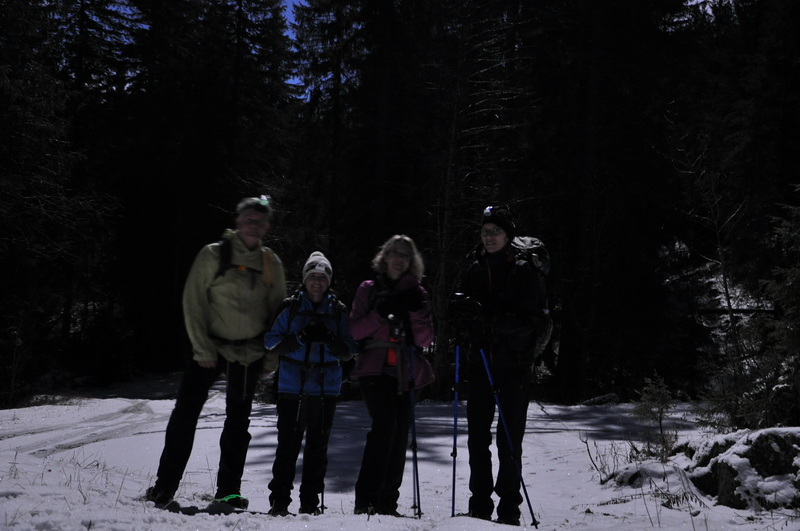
366,324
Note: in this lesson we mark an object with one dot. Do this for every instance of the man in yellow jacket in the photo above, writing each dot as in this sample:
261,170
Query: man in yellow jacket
232,292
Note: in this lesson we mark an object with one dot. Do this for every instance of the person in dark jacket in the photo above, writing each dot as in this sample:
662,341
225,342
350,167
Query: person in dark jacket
311,334
226,314
391,315
511,297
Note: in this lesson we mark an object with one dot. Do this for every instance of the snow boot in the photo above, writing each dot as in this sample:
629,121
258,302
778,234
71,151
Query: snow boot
160,495
237,501
310,509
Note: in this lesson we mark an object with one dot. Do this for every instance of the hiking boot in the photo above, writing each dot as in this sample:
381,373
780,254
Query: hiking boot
310,509
237,501
159,495
508,520
364,509
278,510
479,515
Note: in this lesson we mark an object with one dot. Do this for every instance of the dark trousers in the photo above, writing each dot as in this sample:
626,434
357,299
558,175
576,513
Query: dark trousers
384,457
512,388
312,416
233,443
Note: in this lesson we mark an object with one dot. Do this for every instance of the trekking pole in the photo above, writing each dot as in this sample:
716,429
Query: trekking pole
322,415
454,453
303,369
508,438
414,463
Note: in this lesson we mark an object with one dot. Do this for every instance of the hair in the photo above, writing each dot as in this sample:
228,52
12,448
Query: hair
415,267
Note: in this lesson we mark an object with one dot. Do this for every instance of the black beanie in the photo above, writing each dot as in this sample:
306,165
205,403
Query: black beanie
500,216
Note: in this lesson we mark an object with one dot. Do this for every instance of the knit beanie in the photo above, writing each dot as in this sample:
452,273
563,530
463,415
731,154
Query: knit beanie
500,216
317,263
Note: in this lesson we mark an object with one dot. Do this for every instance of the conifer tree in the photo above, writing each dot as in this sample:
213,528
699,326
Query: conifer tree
329,45
208,126
46,222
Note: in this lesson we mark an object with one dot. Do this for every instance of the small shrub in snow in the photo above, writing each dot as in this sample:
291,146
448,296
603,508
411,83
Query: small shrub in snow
653,407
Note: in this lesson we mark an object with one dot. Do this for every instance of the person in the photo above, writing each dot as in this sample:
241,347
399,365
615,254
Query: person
509,296
226,312
391,315
311,334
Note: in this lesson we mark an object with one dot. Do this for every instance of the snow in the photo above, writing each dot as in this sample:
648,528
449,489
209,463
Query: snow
85,464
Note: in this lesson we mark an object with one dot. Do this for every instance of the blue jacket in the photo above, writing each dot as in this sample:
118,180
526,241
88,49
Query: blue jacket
303,367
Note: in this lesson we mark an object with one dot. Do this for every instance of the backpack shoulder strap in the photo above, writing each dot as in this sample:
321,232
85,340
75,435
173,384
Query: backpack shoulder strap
339,307
267,267
293,303
372,295
225,256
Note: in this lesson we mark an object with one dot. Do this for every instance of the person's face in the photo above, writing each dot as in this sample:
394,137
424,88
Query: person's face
252,226
494,238
316,285
398,258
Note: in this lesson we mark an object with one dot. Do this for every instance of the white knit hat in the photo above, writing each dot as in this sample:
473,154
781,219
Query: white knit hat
317,263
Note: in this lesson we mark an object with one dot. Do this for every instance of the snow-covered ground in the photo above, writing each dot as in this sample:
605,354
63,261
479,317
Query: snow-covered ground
85,464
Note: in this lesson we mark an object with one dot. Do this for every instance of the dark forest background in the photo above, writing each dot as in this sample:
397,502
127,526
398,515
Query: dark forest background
652,145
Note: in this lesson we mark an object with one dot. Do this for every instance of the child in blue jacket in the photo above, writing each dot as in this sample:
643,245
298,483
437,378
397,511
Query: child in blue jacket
312,336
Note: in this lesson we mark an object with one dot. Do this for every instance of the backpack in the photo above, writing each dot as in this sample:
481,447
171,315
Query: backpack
293,304
226,262
533,251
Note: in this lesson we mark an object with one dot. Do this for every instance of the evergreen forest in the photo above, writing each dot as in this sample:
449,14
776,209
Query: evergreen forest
649,144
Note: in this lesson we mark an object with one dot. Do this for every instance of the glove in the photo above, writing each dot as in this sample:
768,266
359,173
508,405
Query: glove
411,300
464,308
341,350
315,333
388,305
287,346
510,325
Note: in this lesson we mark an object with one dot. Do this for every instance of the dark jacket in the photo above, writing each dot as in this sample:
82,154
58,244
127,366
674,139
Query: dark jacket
511,295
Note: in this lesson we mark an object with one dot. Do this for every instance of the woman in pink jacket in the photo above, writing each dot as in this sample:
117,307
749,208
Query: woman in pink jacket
391,316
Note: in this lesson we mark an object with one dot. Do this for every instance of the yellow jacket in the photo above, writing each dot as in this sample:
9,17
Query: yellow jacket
227,315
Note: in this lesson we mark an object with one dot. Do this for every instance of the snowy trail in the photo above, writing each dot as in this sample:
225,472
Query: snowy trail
86,464
43,441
